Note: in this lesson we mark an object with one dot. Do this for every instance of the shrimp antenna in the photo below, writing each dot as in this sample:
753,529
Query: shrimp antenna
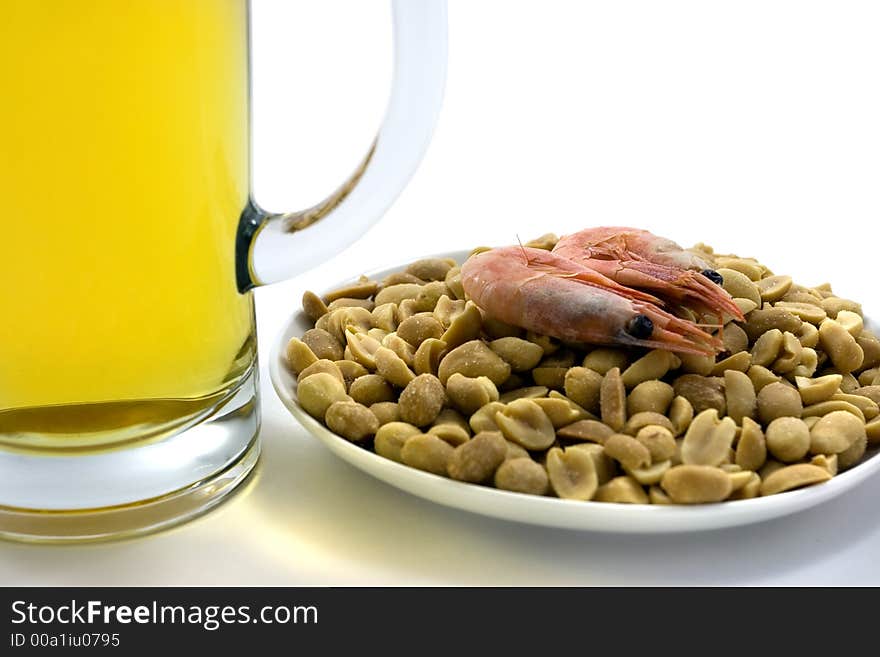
523,249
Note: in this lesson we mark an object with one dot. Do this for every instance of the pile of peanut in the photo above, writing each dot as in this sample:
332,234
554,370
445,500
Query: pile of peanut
411,369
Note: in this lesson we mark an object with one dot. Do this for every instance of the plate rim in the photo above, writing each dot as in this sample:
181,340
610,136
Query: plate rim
533,509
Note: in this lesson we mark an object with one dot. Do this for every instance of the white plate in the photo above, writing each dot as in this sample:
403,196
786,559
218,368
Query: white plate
548,511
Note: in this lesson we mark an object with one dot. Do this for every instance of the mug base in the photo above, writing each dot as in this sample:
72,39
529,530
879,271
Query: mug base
135,491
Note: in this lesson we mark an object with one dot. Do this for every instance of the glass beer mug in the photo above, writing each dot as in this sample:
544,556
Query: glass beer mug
130,245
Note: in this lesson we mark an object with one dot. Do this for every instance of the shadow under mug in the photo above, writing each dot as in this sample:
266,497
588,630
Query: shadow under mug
128,384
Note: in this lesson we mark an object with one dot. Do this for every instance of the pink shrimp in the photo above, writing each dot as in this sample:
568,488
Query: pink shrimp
643,260
549,294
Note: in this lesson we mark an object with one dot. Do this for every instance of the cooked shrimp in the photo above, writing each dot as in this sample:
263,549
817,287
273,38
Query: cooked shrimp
643,260
544,292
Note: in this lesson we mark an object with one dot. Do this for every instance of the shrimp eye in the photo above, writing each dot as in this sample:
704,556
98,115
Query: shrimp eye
640,327
713,276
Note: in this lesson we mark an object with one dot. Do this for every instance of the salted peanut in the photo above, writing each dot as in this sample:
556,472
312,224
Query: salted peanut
605,466
649,475
802,295
794,476
470,394
430,269
808,364
474,359
657,495
659,441
747,266
477,459
870,377
497,329
739,285
313,306
371,389
572,474
427,452
701,391
323,365
363,288
453,282
696,484
385,412
323,344
808,335
385,317
831,406
390,438
525,423
807,312
631,453
299,355
393,368
762,377
762,320
648,396
750,489
421,400
419,328
317,392
827,461
404,350
583,386
561,411
789,355
612,399
813,391
520,354
836,432
745,305
849,383
522,475
868,407
769,467
451,433
466,326
739,362
778,400
853,454
426,360
621,490
591,430
810,420
735,339
351,420
653,365
697,364
852,322
603,360
646,418
871,392
484,419
549,345
448,309
338,322
344,302
767,347
773,288
870,348
788,439
350,370
740,395
397,293
398,278
872,431
841,347
708,439
551,377
528,392
364,347
546,241
515,451
380,335
681,413
833,306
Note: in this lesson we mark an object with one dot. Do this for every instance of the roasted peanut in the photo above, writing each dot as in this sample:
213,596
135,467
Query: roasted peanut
391,437
708,439
621,490
778,400
788,439
477,459
421,400
572,474
739,393
591,430
470,394
696,484
474,359
701,391
751,450
602,360
525,423
681,413
841,346
793,476
653,396
612,400
520,354
351,420
371,389
522,475
427,452
835,432
653,365
317,392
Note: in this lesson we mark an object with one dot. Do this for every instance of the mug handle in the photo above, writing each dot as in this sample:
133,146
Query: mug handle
270,247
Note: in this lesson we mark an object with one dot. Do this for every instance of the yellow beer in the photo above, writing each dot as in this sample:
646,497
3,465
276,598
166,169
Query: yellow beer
123,174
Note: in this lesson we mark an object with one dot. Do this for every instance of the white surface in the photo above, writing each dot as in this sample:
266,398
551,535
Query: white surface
730,123
531,509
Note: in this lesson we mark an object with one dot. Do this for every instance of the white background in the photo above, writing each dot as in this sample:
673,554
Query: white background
750,125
